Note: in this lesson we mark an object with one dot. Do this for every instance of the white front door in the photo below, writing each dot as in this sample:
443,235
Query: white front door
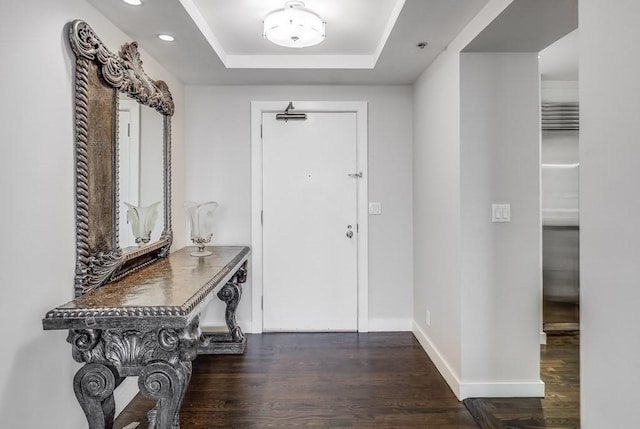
310,240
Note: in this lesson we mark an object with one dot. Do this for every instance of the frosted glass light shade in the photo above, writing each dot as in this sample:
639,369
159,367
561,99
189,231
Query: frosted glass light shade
201,221
142,220
294,26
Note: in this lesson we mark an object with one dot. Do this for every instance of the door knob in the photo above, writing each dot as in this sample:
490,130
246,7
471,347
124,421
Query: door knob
349,232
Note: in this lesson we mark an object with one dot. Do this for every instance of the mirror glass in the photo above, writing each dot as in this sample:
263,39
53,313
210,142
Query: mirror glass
140,172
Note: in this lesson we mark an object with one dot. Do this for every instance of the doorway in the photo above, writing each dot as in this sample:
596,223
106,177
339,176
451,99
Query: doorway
560,174
309,218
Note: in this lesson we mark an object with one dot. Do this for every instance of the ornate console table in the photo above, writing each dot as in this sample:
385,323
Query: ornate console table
147,325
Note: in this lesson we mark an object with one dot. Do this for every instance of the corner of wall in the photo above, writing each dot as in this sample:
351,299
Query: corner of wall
462,390
438,360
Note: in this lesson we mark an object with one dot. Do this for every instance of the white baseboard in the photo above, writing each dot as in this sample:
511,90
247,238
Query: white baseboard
475,390
438,360
543,337
390,325
125,393
256,328
374,325
502,390
245,326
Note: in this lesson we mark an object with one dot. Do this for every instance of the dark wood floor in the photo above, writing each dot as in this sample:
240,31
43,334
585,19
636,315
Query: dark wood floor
560,409
375,380
561,278
561,316
561,311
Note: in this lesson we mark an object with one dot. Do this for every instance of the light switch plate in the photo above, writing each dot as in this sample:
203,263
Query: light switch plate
500,212
375,208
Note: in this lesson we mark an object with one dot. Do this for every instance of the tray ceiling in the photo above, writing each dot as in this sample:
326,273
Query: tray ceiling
220,41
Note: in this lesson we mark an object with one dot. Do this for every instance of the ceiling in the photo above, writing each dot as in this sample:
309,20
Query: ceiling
527,26
560,60
220,41
357,32
548,27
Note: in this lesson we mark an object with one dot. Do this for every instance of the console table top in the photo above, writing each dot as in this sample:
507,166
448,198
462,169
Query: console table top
171,289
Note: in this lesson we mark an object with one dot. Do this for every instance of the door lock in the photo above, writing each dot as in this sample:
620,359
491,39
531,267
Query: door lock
349,231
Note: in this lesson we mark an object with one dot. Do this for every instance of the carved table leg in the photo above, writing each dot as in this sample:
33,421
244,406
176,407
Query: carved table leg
166,378
94,384
234,341
167,384
231,294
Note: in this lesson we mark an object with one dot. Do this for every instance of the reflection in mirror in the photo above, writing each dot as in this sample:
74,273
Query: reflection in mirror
143,221
140,166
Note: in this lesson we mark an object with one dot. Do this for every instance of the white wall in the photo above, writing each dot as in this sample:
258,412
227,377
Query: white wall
500,262
609,213
219,168
559,91
37,186
436,199
436,214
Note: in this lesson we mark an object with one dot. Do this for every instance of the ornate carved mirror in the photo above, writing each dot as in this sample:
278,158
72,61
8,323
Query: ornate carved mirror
123,164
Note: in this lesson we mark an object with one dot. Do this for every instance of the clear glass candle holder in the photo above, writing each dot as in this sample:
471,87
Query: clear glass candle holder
142,220
201,221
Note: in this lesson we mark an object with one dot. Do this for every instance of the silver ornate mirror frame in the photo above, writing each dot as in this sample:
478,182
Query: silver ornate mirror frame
99,76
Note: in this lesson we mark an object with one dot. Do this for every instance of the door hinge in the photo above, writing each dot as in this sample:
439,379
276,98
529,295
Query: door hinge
129,130
262,302
357,227
261,131
261,217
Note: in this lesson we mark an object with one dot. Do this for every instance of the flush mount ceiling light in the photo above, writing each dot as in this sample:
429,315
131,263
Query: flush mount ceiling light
133,2
294,26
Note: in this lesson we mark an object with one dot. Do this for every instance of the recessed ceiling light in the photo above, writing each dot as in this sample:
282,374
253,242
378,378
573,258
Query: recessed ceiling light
166,37
133,2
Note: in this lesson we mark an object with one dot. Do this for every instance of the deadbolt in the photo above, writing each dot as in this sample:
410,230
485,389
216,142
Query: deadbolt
349,231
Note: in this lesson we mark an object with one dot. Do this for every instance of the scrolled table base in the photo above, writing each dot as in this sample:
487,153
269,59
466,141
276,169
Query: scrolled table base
161,358
233,341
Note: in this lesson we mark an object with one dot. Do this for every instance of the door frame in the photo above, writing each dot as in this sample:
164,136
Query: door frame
361,110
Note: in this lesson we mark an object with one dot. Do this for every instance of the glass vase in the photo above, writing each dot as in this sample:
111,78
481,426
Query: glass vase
142,220
201,220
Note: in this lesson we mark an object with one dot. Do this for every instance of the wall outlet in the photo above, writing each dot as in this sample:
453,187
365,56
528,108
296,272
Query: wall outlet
428,318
